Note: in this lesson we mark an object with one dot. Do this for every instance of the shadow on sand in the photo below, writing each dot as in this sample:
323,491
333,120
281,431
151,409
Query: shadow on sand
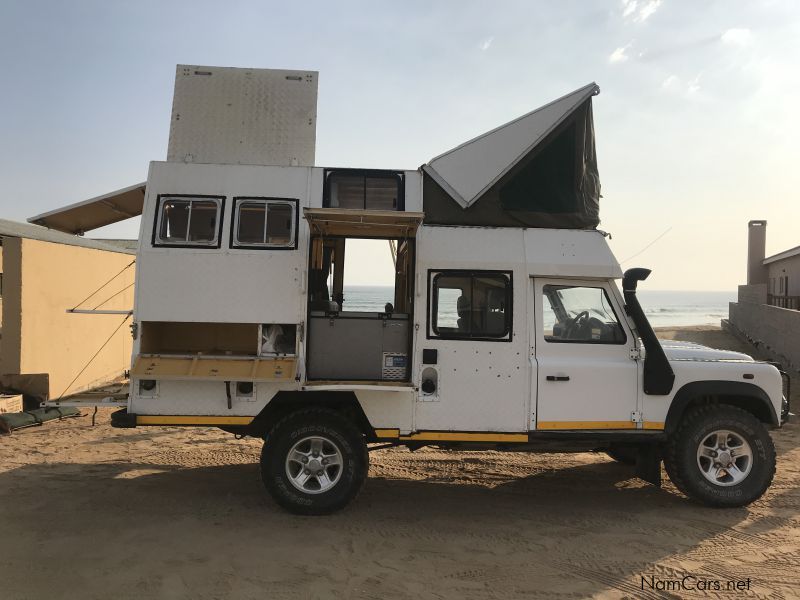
590,527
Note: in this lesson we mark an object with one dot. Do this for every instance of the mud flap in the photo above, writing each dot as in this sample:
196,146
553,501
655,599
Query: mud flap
648,464
122,419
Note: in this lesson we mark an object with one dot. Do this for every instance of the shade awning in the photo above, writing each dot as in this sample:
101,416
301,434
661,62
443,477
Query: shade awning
96,212
363,223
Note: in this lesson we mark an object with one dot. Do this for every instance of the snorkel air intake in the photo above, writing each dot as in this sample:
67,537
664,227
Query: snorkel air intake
658,374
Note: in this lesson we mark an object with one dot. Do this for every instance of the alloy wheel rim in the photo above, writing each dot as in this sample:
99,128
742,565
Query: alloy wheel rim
724,457
314,465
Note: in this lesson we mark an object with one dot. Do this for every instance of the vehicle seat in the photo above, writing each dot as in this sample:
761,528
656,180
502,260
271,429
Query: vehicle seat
496,322
463,308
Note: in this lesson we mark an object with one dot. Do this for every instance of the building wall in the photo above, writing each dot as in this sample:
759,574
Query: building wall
754,294
47,280
12,298
1,290
788,267
774,330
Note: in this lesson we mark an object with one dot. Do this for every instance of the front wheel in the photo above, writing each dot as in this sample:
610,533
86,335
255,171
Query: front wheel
314,462
721,456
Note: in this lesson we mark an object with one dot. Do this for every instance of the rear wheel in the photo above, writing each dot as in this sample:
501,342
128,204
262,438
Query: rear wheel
314,462
721,456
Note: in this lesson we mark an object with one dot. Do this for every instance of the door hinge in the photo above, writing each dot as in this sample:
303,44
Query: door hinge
636,353
636,416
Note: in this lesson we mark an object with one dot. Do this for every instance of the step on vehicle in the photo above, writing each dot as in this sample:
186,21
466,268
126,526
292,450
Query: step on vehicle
507,328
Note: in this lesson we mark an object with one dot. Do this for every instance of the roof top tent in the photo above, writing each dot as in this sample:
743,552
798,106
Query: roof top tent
539,170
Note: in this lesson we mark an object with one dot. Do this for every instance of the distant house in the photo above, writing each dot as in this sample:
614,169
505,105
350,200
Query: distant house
768,308
783,279
44,350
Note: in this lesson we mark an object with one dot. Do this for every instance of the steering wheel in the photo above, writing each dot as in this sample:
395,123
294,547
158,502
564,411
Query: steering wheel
574,324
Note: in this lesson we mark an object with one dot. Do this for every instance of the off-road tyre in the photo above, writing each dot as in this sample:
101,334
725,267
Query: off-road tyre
302,424
681,462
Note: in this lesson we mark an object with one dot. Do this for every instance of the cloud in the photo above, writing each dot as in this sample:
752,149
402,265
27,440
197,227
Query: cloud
675,85
694,85
648,8
485,44
670,82
619,55
628,7
639,11
738,36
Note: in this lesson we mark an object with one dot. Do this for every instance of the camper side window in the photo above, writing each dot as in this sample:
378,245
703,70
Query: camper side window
264,223
364,189
188,221
472,305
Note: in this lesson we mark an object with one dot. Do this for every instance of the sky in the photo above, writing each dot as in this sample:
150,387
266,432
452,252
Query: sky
696,122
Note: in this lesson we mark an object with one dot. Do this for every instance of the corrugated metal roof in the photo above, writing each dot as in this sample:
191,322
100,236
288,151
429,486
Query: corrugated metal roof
468,170
96,212
781,255
43,234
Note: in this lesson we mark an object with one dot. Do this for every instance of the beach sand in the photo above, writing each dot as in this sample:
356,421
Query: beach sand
94,512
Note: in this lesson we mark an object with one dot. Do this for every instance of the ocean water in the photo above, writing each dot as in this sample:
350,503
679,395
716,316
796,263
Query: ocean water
675,308
663,308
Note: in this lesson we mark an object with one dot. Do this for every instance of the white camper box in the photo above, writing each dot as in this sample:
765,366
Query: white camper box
233,295
507,330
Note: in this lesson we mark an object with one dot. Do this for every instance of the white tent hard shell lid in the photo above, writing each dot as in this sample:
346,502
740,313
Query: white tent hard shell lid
471,171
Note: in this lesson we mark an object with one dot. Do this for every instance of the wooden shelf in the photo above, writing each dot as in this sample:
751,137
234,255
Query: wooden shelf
223,368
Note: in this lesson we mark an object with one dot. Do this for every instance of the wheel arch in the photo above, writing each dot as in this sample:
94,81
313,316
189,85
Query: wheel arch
283,403
746,396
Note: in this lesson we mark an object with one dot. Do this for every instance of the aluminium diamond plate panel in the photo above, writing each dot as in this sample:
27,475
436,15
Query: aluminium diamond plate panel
226,115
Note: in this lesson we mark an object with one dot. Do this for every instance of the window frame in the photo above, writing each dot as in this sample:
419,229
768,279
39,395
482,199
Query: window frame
608,296
157,242
399,176
235,245
432,332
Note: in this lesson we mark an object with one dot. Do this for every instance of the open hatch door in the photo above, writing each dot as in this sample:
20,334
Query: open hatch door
350,222
96,212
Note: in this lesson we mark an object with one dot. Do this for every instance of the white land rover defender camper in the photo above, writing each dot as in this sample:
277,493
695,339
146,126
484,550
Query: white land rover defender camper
507,329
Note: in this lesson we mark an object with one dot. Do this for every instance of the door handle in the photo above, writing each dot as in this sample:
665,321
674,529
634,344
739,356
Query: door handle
558,378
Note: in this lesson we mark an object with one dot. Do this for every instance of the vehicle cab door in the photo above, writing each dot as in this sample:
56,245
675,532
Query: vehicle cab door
587,376
473,371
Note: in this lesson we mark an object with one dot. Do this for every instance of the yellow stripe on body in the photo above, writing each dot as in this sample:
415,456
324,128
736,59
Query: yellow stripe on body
585,425
653,425
191,420
458,436
387,433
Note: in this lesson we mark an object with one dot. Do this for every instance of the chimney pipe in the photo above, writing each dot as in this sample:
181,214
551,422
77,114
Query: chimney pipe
756,252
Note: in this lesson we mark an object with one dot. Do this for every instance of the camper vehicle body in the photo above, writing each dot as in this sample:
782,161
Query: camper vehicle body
518,377
507,328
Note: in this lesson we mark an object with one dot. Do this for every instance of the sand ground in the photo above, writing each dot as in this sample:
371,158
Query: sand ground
94,512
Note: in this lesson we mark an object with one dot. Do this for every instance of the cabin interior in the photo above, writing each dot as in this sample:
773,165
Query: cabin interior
345,343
